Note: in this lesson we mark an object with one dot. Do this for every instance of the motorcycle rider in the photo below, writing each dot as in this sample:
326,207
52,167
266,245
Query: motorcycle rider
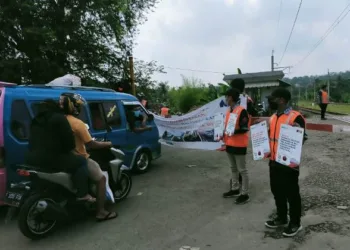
71,104
50,146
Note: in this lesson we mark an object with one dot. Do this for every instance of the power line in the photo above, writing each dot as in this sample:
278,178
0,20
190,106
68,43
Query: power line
329,30
278,21
291,32
195,70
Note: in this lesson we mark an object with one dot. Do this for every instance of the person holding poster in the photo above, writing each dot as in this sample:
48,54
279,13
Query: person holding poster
245,101
236,141
284,180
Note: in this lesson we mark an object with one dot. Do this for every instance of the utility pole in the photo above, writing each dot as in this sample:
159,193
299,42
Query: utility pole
328,87
272,61
314,91
132,79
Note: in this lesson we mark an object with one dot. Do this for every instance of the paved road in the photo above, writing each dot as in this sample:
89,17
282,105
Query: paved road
173,206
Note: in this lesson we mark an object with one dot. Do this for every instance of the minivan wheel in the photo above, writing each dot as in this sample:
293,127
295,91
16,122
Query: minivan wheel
142,162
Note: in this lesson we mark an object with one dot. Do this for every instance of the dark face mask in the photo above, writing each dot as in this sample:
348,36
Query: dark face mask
273,105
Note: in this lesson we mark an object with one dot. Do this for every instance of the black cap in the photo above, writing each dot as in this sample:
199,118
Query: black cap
238,83
281,93
234,93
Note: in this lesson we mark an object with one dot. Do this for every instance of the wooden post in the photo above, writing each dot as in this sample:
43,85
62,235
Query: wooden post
132,79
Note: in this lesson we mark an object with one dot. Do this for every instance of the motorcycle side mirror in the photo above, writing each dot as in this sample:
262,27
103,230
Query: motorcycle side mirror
150,117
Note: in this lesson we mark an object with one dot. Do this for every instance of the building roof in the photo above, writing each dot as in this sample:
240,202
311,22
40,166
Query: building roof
278,83
258,77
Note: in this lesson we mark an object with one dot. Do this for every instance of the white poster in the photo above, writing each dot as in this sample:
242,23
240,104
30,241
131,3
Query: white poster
219,126
193,130
260,141
290,143
243,100
231,124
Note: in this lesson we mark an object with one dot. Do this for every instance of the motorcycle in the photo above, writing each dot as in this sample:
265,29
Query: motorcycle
48,199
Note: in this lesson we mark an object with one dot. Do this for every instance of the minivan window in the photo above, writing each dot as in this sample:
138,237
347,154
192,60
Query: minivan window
112,114
20,120
96,111
82,116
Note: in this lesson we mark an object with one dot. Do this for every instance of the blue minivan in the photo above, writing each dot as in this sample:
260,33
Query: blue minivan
105,109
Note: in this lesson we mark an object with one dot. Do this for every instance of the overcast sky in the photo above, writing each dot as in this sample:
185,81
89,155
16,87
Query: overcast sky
222,35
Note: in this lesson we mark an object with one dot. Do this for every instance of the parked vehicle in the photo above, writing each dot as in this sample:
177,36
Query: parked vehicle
47,199
105,114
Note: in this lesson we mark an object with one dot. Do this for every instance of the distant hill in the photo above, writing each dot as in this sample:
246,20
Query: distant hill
339,86
305,80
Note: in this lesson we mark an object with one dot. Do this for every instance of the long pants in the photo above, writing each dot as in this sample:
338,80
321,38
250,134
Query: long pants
284,182
238,167
323,107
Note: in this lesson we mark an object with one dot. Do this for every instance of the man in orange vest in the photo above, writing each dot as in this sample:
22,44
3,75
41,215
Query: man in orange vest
323,101
284,181
245,101
236,147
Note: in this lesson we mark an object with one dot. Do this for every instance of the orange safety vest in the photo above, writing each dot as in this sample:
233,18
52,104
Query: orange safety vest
236,140
275,126
164,112
324,96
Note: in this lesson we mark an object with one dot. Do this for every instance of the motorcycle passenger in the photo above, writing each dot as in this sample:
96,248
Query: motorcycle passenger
71,104
51,143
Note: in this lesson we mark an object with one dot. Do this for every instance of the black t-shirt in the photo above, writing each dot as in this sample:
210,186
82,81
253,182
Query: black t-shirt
51,136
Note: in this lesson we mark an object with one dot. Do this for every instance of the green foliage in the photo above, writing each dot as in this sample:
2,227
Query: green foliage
307,87
44,39
188,95
193,93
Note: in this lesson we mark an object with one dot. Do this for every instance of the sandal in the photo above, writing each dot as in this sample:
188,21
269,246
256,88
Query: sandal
109,216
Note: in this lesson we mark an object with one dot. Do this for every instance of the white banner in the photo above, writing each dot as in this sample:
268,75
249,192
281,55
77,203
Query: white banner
194,130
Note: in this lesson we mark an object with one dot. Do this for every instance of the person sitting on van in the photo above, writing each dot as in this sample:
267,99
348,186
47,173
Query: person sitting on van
133,116
71,104
51,142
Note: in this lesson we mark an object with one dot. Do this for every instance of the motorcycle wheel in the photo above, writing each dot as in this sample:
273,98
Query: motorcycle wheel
123,187
28,213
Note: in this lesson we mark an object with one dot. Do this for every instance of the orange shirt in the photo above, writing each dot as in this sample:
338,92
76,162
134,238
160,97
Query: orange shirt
164,111
81,135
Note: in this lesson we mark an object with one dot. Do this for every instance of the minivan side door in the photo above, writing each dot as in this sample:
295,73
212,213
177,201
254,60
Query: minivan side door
107,123
146,139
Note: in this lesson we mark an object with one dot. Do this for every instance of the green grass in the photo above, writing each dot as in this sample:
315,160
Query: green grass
333,107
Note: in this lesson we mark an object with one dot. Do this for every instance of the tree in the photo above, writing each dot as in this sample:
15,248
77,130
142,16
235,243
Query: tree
144,77
191,94
44,39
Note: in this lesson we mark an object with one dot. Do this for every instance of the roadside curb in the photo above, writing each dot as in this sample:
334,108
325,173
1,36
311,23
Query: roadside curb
315,126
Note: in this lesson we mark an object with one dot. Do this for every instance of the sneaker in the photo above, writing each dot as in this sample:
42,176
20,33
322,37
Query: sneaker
242,199
292,230
276,223
231,193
